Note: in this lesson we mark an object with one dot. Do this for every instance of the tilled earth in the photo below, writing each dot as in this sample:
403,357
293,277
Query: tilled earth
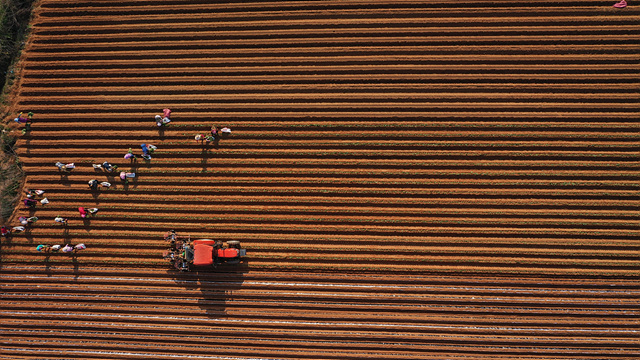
412,180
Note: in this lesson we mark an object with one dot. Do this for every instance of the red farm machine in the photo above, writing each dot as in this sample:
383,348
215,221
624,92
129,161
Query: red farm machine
186,254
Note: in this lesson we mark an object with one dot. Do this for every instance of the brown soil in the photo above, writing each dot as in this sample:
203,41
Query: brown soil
411,181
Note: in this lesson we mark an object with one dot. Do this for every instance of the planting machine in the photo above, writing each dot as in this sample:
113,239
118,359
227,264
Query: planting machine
186,255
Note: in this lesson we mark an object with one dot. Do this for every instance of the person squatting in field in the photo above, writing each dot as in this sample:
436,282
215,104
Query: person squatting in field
5,231
130,155
106,166
621,4
147,150
30,203
65,167
33,193
214,134
84,212
24,119
125,176
93,184
27,220
43,248
164,119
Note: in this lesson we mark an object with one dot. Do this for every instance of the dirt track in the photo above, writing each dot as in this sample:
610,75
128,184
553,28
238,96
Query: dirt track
440,180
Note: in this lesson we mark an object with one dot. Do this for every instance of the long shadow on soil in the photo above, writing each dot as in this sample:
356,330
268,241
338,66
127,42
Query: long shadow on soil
206,153
213,288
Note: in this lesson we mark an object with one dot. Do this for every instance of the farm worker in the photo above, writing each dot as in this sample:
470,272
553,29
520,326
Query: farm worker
66,167
97,166
145,152
31,193
18,228
125,175
170,235
165,118
226,130
130,155
67,248
621,4
105,184
160,121
44,201
93,184
169,255
56,247
44,248
199,137
209,138
79,247
25,221
61,220
30,203
214,131
151,148
83,212
21,119
108,167
92,210
5,231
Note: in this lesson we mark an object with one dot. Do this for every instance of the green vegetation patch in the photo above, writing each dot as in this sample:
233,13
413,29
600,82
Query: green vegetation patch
11,174
14,27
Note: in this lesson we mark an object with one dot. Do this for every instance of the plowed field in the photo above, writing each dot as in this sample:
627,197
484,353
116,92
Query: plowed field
412,180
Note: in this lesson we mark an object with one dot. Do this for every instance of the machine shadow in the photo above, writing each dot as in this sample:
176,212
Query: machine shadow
214,288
